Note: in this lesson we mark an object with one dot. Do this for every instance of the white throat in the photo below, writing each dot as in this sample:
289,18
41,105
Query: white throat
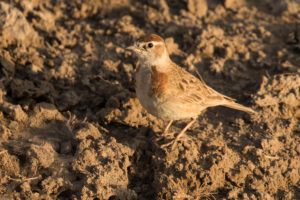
159,62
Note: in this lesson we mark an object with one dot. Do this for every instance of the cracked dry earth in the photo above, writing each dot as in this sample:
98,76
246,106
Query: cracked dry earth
72,128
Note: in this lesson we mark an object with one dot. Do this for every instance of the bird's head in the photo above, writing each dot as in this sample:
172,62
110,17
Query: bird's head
150,49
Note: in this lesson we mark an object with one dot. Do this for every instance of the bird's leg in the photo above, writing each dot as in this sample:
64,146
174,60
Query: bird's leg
167,127
164,133
182,132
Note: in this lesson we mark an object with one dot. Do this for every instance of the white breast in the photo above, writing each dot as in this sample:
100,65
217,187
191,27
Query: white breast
143,87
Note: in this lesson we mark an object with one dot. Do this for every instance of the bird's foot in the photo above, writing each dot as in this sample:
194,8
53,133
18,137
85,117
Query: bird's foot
165,140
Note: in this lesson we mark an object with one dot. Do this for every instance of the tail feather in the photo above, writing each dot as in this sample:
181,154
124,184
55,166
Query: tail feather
218,99
233,105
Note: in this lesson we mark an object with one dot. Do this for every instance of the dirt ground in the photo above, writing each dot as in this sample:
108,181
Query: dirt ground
72,128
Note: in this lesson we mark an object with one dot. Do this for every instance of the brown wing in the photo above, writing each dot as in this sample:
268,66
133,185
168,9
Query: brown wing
190,90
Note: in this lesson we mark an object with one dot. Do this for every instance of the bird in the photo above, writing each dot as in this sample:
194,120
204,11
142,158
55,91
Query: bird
168,91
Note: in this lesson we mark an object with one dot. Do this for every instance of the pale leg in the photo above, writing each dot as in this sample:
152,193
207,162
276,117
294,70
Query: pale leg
182,132
164,134
168,126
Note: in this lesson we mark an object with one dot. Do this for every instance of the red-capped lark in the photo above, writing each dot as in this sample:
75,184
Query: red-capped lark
168,91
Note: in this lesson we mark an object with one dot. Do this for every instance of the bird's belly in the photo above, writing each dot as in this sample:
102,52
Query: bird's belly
170,110
166,109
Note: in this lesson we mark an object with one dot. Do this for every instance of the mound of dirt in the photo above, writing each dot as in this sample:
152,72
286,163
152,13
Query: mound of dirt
72,128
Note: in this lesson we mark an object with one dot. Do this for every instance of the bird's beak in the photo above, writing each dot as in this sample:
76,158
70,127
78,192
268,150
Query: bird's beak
133,48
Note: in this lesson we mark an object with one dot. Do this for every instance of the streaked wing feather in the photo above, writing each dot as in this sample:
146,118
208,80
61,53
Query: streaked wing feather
191,90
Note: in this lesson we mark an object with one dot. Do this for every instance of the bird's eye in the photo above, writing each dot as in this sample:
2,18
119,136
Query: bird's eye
150,45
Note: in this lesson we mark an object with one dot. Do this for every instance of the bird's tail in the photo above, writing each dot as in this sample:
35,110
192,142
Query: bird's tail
233,105
219,99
